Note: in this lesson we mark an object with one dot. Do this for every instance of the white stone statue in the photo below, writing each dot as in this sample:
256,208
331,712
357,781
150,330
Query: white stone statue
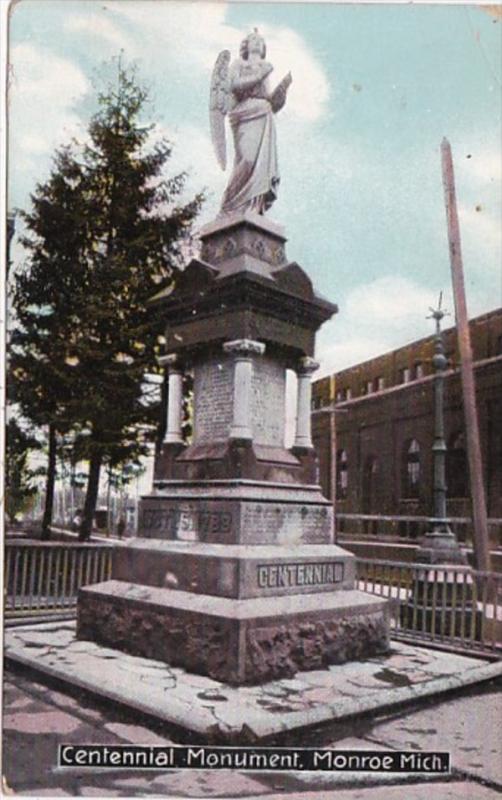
241,90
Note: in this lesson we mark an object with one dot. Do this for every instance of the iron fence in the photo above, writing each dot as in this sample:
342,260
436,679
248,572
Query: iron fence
450,606
44,577
408,526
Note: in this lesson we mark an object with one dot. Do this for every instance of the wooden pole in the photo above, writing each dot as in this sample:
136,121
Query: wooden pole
332,429
481,539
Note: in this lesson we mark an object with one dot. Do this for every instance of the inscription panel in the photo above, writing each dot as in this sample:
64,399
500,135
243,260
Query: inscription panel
286,523
234,521
294,574
268,401
213,399
189,522
291,576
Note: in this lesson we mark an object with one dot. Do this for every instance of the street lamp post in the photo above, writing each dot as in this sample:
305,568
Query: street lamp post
439,545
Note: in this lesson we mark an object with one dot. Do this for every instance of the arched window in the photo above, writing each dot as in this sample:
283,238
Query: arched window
342,474
411,469
457,469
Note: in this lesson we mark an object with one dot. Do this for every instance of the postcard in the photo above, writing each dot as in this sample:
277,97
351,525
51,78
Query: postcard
253,462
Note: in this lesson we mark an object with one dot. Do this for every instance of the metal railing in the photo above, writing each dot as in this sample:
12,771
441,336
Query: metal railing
447,606
450,606
43,578
408,526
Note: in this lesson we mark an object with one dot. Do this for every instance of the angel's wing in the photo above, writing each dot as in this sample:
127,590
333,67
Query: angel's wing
218,105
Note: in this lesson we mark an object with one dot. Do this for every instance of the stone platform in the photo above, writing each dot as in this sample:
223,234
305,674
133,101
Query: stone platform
232,640
216,712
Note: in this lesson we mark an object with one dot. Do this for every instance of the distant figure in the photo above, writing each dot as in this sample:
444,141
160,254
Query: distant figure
121,527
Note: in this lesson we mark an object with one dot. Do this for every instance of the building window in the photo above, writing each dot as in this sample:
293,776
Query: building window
379,383
370,492
498,347
342,473
411,469
368,387
419,370
343,394
404,375
457,469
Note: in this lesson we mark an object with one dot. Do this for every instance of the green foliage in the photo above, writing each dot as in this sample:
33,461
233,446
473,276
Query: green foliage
20,486
105,233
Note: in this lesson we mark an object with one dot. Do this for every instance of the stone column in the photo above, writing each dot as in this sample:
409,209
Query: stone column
243,350
303,436
173,433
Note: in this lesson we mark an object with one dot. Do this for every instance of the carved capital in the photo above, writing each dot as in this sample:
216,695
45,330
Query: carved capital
171,361
307,366
244,348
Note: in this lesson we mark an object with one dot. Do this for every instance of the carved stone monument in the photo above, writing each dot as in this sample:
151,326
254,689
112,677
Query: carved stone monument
235,573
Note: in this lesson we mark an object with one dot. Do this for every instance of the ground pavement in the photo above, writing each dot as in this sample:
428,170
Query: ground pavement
36,718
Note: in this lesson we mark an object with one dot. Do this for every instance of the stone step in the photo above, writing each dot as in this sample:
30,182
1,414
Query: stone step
235,570
236,641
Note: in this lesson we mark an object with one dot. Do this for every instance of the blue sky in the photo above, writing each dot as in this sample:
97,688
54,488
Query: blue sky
375,88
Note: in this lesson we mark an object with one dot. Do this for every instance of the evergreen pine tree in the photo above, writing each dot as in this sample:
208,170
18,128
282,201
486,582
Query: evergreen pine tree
107,230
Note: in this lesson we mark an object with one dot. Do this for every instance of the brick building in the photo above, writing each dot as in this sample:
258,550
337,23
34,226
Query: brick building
375,456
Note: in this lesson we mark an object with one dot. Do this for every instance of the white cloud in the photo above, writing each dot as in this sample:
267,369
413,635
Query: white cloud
309,92
98,26
392,299
43,90
193,153
375,318
190,36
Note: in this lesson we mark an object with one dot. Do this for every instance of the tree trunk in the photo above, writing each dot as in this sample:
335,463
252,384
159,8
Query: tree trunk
91,498
50,485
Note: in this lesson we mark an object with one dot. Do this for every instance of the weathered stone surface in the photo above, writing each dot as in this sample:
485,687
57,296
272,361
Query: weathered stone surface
281,649
268,402
236,641
213,398
237,239
245,714
229,521
234,570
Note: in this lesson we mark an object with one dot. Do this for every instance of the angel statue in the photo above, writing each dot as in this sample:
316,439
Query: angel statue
241,90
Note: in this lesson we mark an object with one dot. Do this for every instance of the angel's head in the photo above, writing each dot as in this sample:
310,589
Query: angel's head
253,43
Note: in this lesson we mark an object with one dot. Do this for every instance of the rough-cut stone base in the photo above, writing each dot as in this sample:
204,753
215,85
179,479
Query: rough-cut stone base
236,641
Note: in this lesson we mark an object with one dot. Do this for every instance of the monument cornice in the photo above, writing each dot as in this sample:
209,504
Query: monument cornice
251,290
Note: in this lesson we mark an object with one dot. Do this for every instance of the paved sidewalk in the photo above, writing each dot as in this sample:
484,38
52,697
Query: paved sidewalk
216,711
37,718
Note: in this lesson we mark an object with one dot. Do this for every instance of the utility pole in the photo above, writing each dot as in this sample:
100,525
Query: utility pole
333,448
479,514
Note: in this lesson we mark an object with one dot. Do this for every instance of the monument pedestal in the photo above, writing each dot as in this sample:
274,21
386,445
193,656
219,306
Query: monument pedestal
232,640
235,574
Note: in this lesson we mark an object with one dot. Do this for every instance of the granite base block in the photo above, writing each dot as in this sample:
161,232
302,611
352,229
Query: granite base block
234,570
197,514
235,641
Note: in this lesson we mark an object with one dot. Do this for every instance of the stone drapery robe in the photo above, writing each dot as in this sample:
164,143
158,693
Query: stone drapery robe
255,175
